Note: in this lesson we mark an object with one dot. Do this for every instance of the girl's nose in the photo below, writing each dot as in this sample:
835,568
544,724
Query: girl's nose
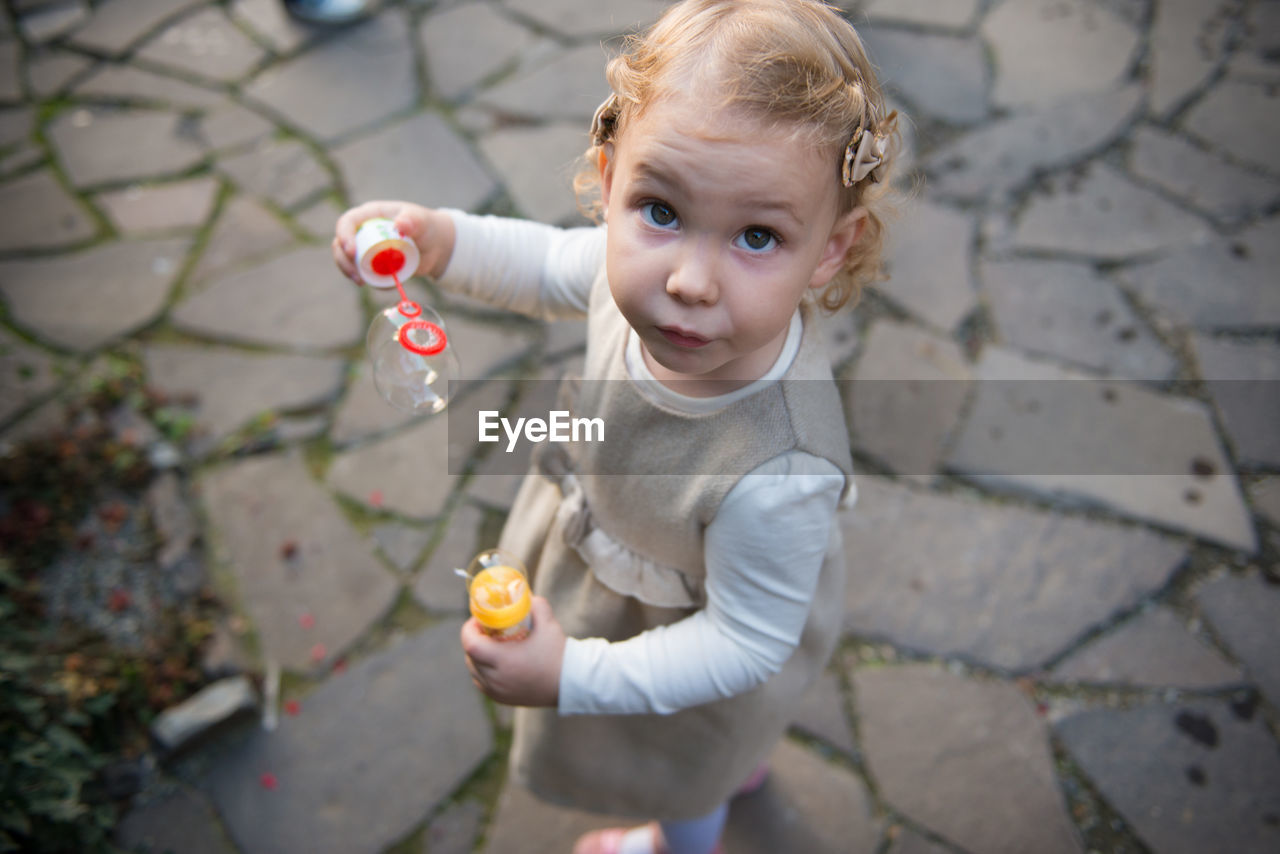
693,279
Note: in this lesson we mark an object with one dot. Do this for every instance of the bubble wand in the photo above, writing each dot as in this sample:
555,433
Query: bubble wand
413,363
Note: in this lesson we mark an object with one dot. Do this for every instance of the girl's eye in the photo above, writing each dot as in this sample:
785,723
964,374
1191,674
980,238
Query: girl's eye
758,239
656,213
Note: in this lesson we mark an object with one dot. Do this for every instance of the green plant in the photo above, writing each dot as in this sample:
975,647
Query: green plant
47,796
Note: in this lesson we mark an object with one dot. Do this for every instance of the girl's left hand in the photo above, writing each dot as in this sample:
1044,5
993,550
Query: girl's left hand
518,673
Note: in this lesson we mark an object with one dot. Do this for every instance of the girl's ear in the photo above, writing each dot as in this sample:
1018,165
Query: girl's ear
604,163
844,235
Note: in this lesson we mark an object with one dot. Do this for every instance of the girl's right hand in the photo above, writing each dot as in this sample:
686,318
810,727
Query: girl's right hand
431,230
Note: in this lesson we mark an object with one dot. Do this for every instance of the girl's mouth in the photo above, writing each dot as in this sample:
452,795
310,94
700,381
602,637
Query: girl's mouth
680,338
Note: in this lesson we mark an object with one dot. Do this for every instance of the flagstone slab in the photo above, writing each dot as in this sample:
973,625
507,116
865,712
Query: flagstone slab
907,841
293,300
229,124
1254,55
1101,214
1048,49
945,76
1001,585
269,20
116,25
1266,498
87,299
1217,187
16,124
929,263
1240,118
361,765
908,389
537,166
292,552
1216,284
160,207
40,214
1067,437
465,45
1069,312
244,233
570,85
139,84
400,544
820,713
98,146
405,473
1243,378
205,44
49,72
1187,42
285,172
50,21
389,164
1188,777
1155,649
604,18
994,160
366,76
969,760
319,219
231,387
10,66
1244,610
952,14
26,374
435,586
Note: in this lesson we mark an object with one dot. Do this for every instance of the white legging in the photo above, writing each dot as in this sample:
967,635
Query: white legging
696,835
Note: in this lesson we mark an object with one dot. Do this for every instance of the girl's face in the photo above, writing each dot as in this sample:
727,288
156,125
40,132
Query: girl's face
717,226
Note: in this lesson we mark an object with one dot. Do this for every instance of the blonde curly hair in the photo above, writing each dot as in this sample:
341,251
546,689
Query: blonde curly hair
796,64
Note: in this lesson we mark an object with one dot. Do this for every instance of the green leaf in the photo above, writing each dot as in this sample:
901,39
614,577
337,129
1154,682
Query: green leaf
15,820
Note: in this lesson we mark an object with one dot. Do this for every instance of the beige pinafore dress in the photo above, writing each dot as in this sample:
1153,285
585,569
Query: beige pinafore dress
616,553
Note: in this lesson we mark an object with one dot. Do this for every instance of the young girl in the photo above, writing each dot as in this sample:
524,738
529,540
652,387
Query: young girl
739,165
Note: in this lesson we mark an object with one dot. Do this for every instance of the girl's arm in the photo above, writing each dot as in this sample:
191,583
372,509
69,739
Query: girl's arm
512,264
765,551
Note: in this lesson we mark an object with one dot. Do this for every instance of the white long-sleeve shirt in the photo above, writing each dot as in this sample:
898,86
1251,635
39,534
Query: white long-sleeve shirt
764,549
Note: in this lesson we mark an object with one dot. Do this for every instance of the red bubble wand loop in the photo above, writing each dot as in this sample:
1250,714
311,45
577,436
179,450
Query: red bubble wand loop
419,336
418,379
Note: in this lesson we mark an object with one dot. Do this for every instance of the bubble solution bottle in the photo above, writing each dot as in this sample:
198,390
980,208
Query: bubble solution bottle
498,588
408,347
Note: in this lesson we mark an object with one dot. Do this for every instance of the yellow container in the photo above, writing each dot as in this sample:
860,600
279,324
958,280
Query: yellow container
498,588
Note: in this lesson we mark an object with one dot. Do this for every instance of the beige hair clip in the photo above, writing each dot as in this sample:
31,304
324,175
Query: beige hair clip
603,121
865,153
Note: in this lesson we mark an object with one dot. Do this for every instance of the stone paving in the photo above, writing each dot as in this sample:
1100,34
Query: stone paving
1062,610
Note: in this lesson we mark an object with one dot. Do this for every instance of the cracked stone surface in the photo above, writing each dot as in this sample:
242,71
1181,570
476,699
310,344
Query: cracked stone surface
1030,582
1103,215
358,715
206,44
291,553
906,376
1092,212
943,75
1196,776
1047,49
98,146
929,264
126,283
1153,650
1070,312
50,216
969,760
1177,476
